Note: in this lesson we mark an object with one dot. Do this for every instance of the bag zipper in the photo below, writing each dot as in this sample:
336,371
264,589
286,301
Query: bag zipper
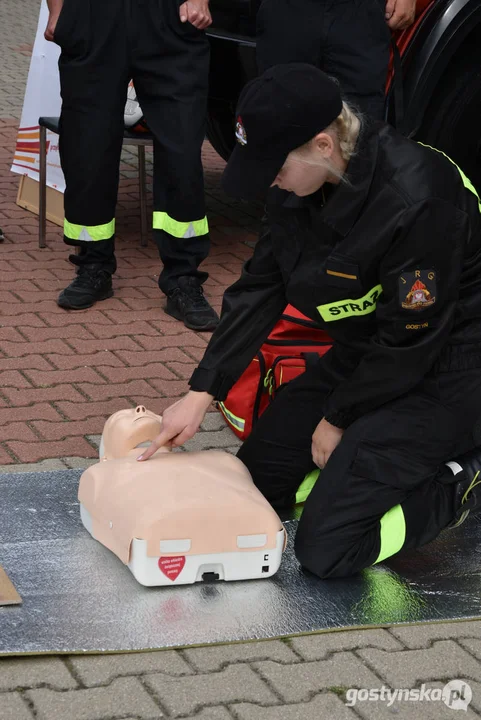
260,388
300,321
270,380
307,343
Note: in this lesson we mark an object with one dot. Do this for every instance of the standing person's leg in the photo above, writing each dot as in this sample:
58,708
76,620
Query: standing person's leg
289,31
93,77
387,486
171,67
356,41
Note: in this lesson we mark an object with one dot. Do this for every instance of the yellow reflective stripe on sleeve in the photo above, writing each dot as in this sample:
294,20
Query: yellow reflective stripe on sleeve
237,422
306,486
162,221
393,532
466,181
89,233
342,309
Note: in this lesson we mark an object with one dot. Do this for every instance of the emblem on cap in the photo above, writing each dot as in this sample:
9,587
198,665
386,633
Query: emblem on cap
240,132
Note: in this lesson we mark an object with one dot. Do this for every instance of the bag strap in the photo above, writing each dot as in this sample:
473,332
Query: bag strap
398,88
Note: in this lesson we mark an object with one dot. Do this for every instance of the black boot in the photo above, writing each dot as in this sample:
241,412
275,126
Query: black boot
467,485
187,303
92,283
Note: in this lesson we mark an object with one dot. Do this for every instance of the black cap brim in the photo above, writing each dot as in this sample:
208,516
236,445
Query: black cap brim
248,174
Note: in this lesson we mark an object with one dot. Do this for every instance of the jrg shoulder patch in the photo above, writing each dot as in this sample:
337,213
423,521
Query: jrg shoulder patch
417,289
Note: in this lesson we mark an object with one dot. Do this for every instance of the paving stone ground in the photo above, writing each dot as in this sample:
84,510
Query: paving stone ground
62,373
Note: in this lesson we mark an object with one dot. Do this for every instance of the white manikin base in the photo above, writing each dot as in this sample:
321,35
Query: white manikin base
242,565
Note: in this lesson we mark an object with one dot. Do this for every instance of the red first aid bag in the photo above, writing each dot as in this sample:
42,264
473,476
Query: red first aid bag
281,358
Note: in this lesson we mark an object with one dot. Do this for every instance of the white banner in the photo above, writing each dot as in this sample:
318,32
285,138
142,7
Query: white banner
42,98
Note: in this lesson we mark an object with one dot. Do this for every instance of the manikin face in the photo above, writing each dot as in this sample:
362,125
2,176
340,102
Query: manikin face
304,172
127,429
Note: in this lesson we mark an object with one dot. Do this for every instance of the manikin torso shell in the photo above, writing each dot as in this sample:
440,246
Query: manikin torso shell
205,497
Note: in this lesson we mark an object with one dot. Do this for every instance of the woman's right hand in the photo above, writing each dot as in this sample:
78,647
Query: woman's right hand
50,29
55,7
180,422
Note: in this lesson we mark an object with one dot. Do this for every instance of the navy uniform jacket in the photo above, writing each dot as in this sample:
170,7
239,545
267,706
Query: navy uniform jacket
389,266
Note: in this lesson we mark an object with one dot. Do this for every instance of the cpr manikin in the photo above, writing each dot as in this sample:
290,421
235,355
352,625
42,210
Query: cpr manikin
179,517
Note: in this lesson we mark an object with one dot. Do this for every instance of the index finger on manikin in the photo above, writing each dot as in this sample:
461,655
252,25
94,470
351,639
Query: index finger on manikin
163,439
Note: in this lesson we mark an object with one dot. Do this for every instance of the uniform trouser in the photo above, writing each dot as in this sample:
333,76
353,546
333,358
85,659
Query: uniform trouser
386,486
104,45
348,39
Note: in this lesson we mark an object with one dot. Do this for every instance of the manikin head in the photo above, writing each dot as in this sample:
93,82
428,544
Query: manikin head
126,430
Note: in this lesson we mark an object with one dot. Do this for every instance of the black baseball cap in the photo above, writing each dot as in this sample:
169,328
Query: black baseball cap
277,112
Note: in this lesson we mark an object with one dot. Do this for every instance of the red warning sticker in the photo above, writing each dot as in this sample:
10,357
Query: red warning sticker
172,566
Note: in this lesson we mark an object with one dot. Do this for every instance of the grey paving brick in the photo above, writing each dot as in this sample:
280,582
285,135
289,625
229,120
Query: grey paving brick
446,659
219,440
317,647
17,27
12,707
297,683
54,464
94,440
125,696
101,669
212,713
473,645
183,696
476,692
422,636
213,421
79,463
207,659
31,672
233,450
427,709
326,706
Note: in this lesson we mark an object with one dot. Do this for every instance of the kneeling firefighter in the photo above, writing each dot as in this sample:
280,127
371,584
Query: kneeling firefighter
379,241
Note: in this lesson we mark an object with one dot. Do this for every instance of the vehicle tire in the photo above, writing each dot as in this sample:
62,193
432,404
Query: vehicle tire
453,120
221,130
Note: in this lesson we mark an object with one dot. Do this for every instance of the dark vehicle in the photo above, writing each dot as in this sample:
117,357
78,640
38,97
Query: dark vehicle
441,68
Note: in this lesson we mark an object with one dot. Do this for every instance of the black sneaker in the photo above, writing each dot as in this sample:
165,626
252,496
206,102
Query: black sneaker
467,490
89,285
187,303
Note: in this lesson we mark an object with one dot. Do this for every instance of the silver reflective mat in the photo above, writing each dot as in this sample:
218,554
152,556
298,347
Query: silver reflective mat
78,597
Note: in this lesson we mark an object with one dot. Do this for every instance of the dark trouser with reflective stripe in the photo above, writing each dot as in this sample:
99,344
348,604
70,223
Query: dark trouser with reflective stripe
104,45
348,39
384,487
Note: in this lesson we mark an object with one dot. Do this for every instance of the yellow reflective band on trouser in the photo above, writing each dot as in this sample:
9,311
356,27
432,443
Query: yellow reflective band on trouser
235,421
393,533
342,309
89,233
306,486
162,221
466,181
